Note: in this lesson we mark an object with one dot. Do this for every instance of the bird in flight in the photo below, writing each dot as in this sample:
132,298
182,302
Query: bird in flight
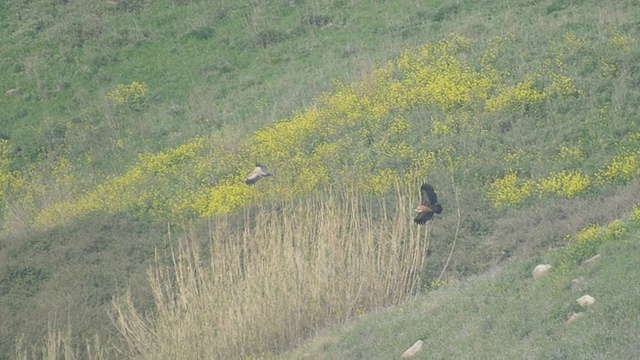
258,173
428,204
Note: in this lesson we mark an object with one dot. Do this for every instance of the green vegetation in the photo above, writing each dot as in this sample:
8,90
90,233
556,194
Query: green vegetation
130,126
504,314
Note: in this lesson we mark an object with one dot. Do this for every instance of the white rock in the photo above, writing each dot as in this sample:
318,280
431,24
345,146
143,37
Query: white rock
575,316
591,261
413,350
540,271
585,300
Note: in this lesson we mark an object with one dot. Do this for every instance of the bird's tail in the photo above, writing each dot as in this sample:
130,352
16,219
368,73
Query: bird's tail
438,208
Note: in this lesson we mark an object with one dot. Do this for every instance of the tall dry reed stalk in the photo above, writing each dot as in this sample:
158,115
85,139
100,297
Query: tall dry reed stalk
286,271
59,345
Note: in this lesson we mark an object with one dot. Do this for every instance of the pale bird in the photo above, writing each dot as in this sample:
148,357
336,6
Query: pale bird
258,173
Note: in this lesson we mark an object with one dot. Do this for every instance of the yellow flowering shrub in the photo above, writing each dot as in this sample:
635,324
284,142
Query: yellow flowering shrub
312,175
608,69
441,128
522,93
545,83
34,187
146,183
565,183
585,244
360,130
622,168
570,154
514,156
622,41
437,283
133,94
617,44
434,77
561,85
509,190
381,182
225,198
635,214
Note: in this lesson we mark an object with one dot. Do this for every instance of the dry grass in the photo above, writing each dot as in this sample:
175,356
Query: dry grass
289,270
59,345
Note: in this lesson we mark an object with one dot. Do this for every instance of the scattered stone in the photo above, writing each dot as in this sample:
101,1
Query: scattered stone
413,350
573,316
578,284
11,92
540,271
591,261
585,300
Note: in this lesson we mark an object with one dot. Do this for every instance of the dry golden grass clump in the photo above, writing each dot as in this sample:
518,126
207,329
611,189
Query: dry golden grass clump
294,268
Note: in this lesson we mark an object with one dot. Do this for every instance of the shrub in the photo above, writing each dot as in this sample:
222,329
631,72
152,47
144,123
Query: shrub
133,95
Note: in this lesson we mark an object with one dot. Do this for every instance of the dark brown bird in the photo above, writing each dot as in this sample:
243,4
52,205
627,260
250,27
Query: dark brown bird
258,173
428,204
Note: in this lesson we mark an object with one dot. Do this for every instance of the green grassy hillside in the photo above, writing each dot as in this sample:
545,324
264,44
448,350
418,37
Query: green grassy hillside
505,314
128,128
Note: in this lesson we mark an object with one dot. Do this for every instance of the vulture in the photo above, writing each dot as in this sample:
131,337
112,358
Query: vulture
428,204
258,173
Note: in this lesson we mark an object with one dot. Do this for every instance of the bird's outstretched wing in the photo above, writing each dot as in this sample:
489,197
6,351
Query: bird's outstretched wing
428,196
258,173
428,204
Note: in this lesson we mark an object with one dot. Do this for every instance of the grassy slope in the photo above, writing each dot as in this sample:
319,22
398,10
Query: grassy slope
214,76
505,314
69,55
252,63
